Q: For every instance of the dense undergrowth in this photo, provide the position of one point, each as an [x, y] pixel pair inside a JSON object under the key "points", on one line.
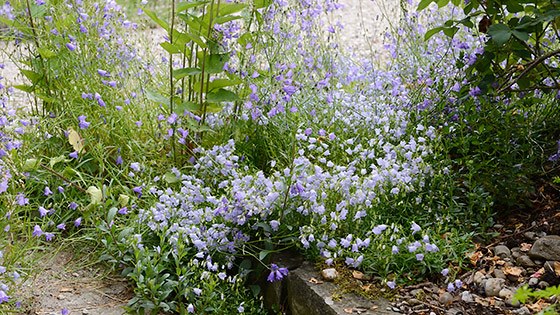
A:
{"points": [[249, 132]]}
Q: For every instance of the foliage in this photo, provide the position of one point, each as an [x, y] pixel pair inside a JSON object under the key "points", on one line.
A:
{"points": [[519, 53], [524, 294]]}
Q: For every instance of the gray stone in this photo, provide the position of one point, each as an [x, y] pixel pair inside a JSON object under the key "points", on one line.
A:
{"points": [[533, 282], [478, 277], [546, 248], [530, 235], [329, 274], [522, 311], [445, 298], [516, 252], [312, 298], [414, 301], [467, 297], [502, 251], [525, 261], [543, 285], [505, 293], [498, 273], [493, 286]]}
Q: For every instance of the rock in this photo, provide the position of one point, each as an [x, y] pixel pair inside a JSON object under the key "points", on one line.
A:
{"points": [[543, 285], [85, 311], [417, 293], [530, 235], [522, 311], [498, 226], [467, 297], [329, 274], [502, 251], [493, 286], [516, 252], [505, 293], [454, 311], [498, 273], [533, 282], [478, 277], [546, 248], [551, 272], [414, 301], [525, 261], [445, 298]]}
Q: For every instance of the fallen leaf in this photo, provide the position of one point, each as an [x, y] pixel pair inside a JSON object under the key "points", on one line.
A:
{"points": [[366, 288], [475, 257], [538, 274], [360, 275], [66, 289], [360, 310], [525, 247], [315, 281], [374, 307], [348, 310], [514, 271], [500, 262], [557, 268]]}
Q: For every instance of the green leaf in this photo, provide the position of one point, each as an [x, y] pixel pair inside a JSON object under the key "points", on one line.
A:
{"points": [[432, 32], [170, 48], [181, 73], [424, 4], [214, 63], [123, 200], [221, 95], [58, 159], [500, 33], [156, 97], [46, 53], [450, 31], [111, 214], [34, 77], [522, 294], [442, 3], [263, 254], [187, 106], [25, 88], [152, 15], [95, 195], [171, 178], [183, 6], [521, 35], [30, 165]]}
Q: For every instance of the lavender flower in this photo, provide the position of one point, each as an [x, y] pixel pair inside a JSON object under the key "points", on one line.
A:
{"points": [[277, 273]]}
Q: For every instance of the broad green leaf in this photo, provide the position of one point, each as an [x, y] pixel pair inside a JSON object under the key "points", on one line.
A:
{"points": [[156, 97], [225, 19], [258, 4], [152, 15], [221, 95], [432, 32], [25, 88], [30, 165], [263, 254], [46, 53], [95, 195], [111, 214], [230, 8], [500, 33], [450, 31], [183, 6], [424, 4], [214, 63], [181, 73], [442, 3], [213, 108], [58, 159], [170, 48], [171, 178], [521, 35], [187, 106], [33, 76]]}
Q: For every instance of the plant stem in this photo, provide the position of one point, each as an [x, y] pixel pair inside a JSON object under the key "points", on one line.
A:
{"points": [[171, 83]]}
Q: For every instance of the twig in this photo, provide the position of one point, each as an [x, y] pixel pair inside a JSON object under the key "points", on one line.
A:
{"points": [[55, 173], [528, 67]]}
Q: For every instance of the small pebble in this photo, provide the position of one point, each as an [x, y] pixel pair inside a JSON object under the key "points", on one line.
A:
{"points": [[502, 251], [445, 298], [478, 277], [498, 273], [493, 286], [533, 282], [522, 311], [525, 261], [467, 297], [329, 274], [543, 285]]}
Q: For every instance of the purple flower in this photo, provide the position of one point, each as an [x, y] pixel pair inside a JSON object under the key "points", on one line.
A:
{"points": [[415, 228], [49, 236], [61, 226], [138, 191], [277, 273], [48, 191], [64, 311], [73, 205], [73, 155], [419, 257], [123, 210], [103, 73], [78, 222], [71, 46], [43, 212], [37, 231], [39, 2], [450, 287], [119, 160], [21, 200], [135, 166], [190, 308], [82, 123], [379, 229], [3, 297], [444, 272], [60, 189], [391, 284]]}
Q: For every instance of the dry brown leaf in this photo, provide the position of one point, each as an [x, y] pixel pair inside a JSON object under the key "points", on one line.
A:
{"points": [[500, 262], [475, 257], [348, 310], [514, 271], [315, 281], [525, 247], [538, 274], [374, 307], [538, 306], [557, 268], [366, 288], [360, 275]]}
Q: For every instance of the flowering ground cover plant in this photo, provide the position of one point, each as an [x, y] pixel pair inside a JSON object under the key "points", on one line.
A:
{"points": [[250, 133]]}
